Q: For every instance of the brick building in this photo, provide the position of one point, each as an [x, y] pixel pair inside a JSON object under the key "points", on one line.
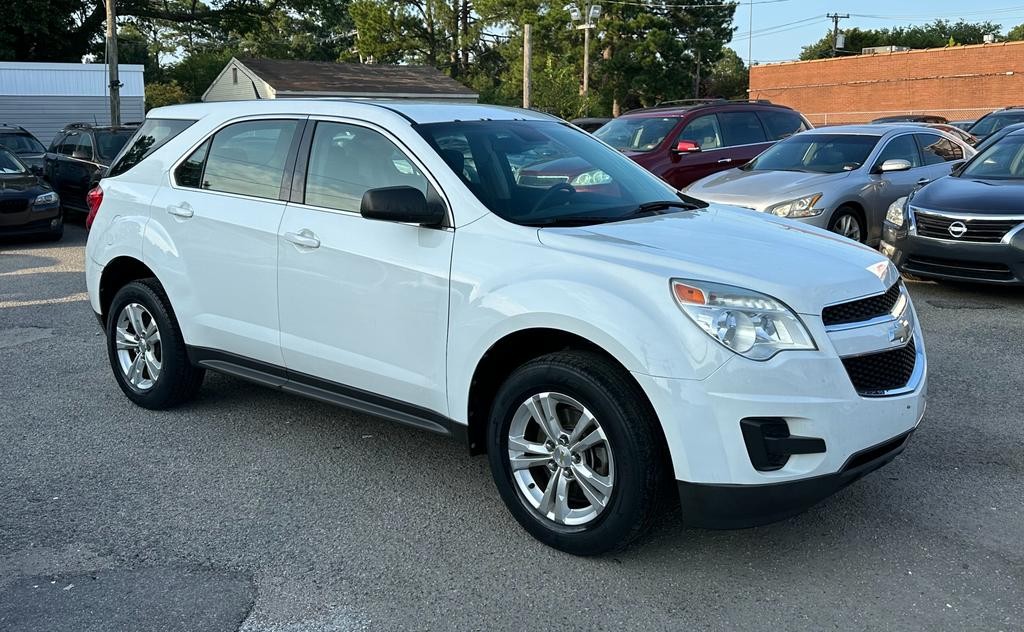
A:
{"points": [[962, 82]]}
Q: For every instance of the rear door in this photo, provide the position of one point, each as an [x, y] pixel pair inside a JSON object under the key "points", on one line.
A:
{"points": [[77, 170], [940, 155], [744, 136], [219, 219]]}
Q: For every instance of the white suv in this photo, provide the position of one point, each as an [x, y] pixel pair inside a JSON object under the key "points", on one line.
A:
{"points": [[501, 277]]}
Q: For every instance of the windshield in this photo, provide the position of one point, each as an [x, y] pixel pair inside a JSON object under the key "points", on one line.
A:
{"points": [[537, 172], [1002, 161], [637, 133], [10, 164], [816, 153], [995, 122], [21, 143], [109, 143]]}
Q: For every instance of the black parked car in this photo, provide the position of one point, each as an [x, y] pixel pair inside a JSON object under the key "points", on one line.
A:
{"points": [[78, 157], [20, 142], [28, 206], [911, 118], [994, 121], [968, 226]]}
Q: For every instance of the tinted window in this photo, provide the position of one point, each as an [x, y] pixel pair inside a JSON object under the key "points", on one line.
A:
{"points": [[741, 128], [901, 148], [704, 131], [1003, 160], [248, 158], [636, 133], [84, 147], [347, 160], [21, 143], [583, 179], [937, 149], [815, 152], [67, 146], [108, 144], [153, 134], [781, 124], [994, 122], [190, 172]]}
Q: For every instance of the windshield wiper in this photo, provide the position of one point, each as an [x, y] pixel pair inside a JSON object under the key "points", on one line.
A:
{"points": [[571, 220], [648, 208]]}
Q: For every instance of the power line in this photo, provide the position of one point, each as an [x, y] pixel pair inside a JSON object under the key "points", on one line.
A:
{"points": [[669, 5]]}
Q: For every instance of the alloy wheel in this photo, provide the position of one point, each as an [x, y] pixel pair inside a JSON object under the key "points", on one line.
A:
{"points": [[561, 459], [137, 342], [848, 226]]}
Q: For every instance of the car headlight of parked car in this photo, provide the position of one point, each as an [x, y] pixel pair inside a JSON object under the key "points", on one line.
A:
{"points": [[897, 213], [591, 178], [46, 199], [800, 207], [753, 325]]}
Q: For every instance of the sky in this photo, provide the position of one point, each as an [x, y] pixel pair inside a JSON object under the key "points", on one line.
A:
{"points": [[782, 27]]}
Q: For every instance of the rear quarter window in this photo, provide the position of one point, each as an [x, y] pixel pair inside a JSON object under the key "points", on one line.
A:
{"points": [[153, 134]]}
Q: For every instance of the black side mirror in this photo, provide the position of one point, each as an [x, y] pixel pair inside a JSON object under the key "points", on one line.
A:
{"points": [[400, 204], [958, 169]]}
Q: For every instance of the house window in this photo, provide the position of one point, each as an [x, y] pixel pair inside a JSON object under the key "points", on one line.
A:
{"points": [[234, 75]]}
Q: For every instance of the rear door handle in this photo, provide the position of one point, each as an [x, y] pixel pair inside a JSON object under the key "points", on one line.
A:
{"points": [[181, 210], [724, 161], [924, 180], [304, 238]]}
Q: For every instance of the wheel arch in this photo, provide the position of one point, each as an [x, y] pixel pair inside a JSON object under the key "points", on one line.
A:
{"points": [[513, 350], [118, 272]]}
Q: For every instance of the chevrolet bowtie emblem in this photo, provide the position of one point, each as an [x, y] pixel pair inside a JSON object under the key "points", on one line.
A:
{"points": [[900, 331]]}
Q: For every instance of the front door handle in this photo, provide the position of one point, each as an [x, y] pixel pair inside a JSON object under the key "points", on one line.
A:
{"points": [[181, 210], [304, 238], [725, 161], [924, 181]]}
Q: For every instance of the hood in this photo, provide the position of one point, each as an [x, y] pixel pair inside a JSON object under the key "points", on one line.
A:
{"points": [[969, 195], [748, 188], [803, 266], [18, 183]]}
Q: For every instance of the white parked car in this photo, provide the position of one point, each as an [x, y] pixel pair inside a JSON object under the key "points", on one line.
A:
{"points": [[603, 341]]}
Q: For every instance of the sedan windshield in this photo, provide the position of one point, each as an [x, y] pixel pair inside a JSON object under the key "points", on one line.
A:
{"points": [[21, 144], [1002, 161], [10, 164], [637, 133], [995, 122], [816, 153], [545, 172]]}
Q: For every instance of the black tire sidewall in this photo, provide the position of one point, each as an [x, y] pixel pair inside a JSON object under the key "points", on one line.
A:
{"points": [[619, 518], [158, 395]]}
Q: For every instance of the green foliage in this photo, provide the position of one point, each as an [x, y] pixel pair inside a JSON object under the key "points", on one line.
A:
{"points": [[159, 94], [1016, 34], [729, 77], [935, 34]]}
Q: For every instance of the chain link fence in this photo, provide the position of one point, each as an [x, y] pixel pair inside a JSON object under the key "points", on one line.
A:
{"points": [[822, 119]]}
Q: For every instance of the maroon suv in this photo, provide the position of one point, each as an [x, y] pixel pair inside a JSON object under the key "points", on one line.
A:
{"points": [[683, 141]]}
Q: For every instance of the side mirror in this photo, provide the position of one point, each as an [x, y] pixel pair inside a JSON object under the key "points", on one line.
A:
{"points": [[895, 164], [400, 204], [686, 147], [79, 154]]}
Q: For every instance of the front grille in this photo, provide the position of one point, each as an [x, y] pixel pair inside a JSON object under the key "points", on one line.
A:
{"points": [[951, 267], [862, 309], [875, 373], [13, 206], [989, 231]]}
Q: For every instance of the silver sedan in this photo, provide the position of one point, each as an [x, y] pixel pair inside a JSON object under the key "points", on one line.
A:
{"points": [[842, 178]]}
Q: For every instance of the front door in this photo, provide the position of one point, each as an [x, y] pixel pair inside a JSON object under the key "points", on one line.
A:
{"points": [[363, 303]]}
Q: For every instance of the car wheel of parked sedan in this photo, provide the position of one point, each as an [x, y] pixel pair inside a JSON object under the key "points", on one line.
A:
{"points": [[575, 453], [846, 221], [57, 233], [146, 349]]}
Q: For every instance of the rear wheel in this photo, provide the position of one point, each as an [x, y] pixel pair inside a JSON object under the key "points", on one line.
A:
{"points": [[575, 453], [847, 222], [146, 349]]}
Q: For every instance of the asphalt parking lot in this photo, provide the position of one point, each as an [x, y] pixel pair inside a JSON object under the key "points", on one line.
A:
{"points": [[254, 510]]}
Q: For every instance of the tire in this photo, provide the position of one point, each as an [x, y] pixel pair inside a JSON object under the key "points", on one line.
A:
{"points": [[57, 233], [165, 376], [845, 221], [631, 455]]}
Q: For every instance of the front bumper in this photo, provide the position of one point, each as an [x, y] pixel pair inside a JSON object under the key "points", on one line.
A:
{"points": [[998, 263], [31, 221]]}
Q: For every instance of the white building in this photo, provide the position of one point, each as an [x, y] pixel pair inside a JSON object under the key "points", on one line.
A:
{"points": [[44, 97]]}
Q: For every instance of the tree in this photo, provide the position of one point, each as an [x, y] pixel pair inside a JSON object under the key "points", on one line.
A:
{"points": [[1016, 34], [729, 77], [159, 94], [935, 34]]}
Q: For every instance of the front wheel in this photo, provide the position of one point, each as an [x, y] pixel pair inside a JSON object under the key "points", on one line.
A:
{"points": [[575, 453], [847, 223]]}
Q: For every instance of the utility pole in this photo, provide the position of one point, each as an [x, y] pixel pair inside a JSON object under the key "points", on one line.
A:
{"points": [[588, 17], [527, 66], [750, 38], [835, 17], [115, 83]]}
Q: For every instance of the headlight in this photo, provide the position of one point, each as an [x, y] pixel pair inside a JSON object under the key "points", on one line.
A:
{"points": [[591, 178], [45, 199], [897, 213], [801, 207], [753, 325]]}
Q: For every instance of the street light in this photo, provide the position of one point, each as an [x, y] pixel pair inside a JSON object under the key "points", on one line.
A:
{"points": [[588, 16]]}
